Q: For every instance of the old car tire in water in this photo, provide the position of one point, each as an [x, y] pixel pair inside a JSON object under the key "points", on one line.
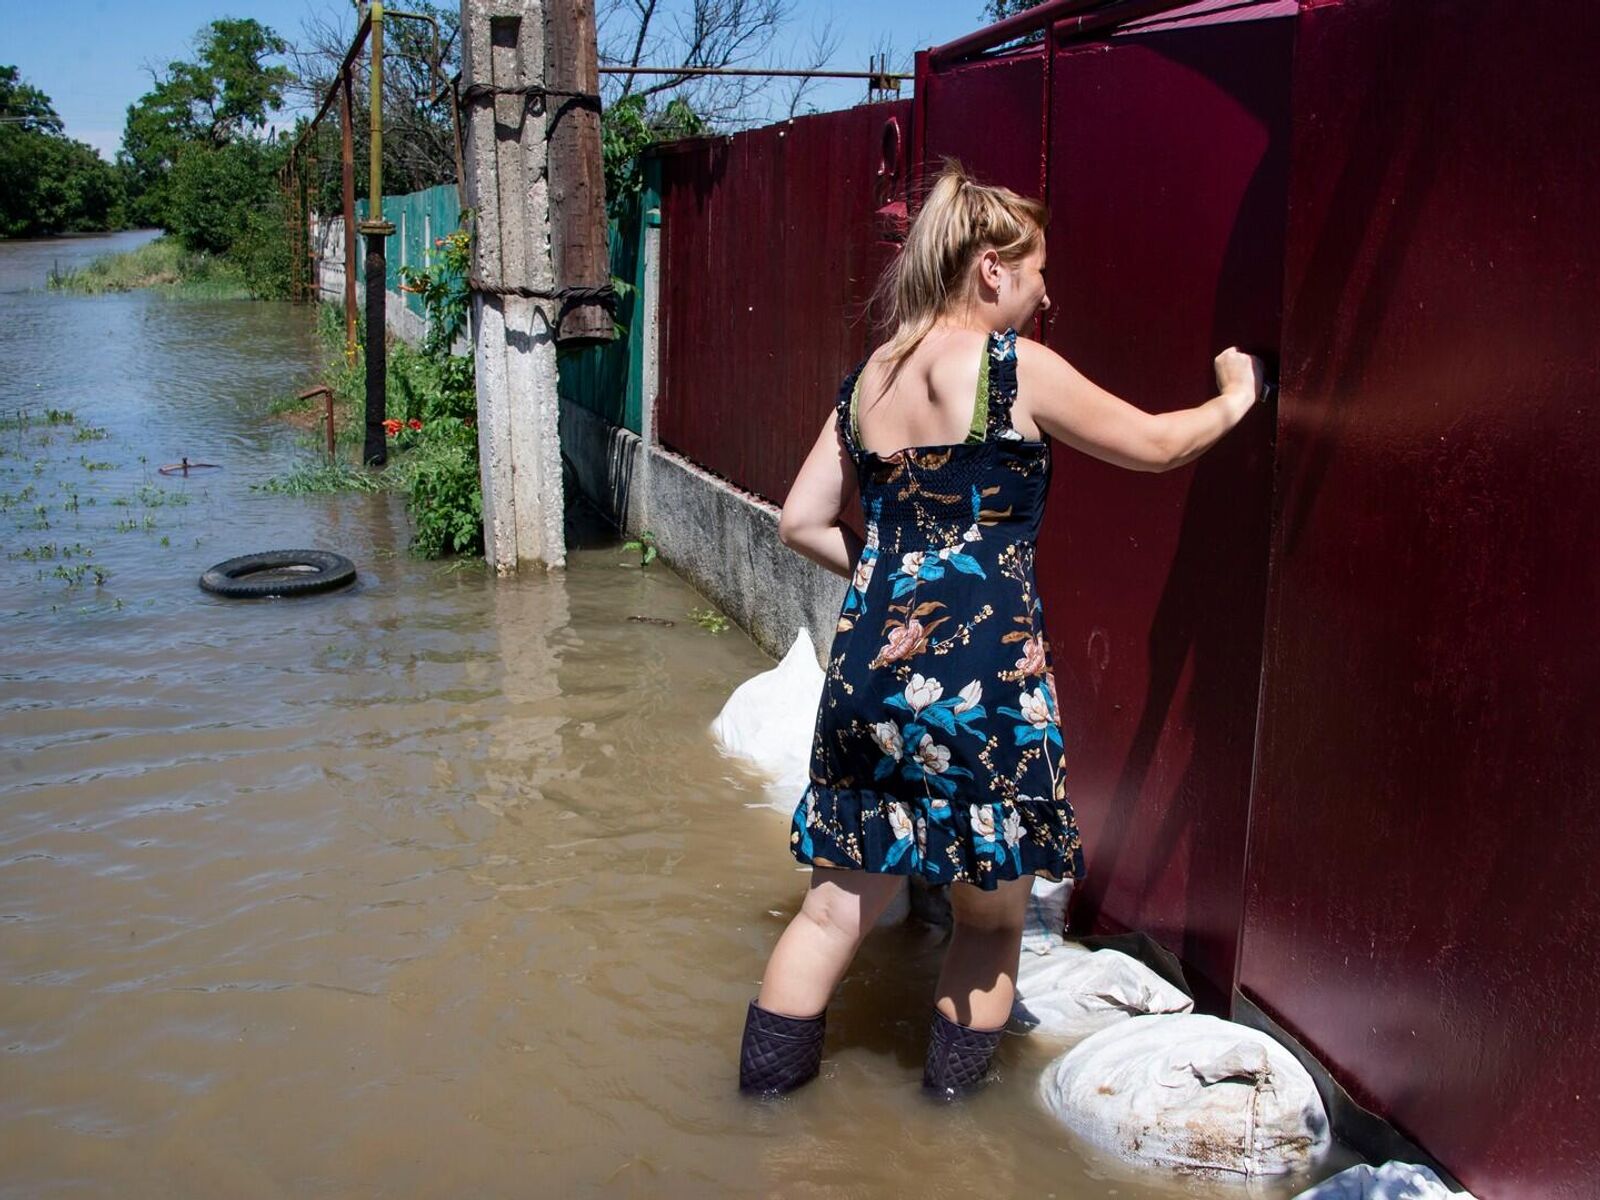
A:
{"points": [[279, 573]]}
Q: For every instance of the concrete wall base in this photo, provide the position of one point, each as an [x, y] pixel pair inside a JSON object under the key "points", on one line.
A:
{"points": [[722, 540]]}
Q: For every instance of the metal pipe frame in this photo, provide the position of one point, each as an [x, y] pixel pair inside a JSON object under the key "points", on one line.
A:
{"points": [[1065, 21], [772, 72]]}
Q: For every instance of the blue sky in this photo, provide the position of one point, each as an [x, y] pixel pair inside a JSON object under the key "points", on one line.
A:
{"points": [[90, 56]]}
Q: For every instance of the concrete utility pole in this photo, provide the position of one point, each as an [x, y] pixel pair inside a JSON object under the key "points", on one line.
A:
{"points": [[503, 66]]}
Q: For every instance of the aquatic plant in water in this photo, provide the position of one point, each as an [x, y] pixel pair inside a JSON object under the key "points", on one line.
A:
{"points": [[708, 619]]}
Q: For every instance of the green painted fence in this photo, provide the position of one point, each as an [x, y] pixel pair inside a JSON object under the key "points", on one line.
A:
{"points": [[606, 380], [609, 380], [420, 219]]}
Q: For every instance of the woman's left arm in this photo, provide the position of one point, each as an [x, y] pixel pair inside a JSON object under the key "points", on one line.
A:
{"points": [[809, 524]]}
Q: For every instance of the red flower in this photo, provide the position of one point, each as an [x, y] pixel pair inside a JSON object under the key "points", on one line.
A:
{"points": [[414, 424], [392, 426]]}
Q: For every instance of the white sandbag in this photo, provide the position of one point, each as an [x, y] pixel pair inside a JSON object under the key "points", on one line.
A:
{"points": [[1391, 1181], [1045, 926], [770, 719], [1191, 1093], [769, 722], [1073, 992]]}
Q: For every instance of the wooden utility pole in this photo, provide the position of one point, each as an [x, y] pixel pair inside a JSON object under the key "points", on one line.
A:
{"points": [[514, 282], [579, 245]]}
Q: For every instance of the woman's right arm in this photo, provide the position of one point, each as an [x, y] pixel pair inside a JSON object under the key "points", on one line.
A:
{"points": [[809, 523], [1071, 409]]}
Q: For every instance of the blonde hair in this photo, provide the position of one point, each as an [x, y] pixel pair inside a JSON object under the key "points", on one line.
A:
{"points": [[959, 219]]}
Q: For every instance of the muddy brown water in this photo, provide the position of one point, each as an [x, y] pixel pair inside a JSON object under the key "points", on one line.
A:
{"points": [[436, 886]]}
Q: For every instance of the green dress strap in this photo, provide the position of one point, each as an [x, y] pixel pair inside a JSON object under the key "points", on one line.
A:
{"points": [[855, 408], [980, 410]]}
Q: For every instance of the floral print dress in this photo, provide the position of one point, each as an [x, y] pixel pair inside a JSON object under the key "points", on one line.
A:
{"points": [[937, 748]]}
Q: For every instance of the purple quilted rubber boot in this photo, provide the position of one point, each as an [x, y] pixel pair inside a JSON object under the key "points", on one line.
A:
{"points": [[958, 1057], [778, 1053]]}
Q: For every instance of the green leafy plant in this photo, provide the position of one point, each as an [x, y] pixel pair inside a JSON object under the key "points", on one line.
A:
{"points": [[440, 397], [645, 544], [443, 288], [446, 496], [626, 128], [708, 619], [431, 417]]}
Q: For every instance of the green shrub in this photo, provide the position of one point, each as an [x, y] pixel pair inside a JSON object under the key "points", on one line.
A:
{"points": [[213, 191], [446, 496], [261, 251]]}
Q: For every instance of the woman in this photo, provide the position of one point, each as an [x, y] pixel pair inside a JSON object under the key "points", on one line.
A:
{"points": [[938, 748]]}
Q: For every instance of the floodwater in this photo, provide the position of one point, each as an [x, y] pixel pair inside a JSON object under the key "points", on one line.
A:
{"points": [[433, 887]]}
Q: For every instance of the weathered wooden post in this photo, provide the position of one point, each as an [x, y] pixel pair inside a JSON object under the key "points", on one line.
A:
{"points": [[513, 328], [579, 245]]}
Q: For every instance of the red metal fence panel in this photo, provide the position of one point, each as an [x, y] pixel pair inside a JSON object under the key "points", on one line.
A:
{"points": [[769, 252], [990, 115], [1169, 164], [1423, 896], [1408, 882]]}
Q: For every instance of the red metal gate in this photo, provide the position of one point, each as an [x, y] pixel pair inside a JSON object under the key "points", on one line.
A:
{"points": [[1366, 806]]}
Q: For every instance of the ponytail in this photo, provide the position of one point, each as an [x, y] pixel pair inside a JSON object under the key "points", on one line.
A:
{"points": [[959, 219]]}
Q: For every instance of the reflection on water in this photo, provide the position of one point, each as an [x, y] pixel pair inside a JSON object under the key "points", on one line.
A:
{"points": [[436, 886]]}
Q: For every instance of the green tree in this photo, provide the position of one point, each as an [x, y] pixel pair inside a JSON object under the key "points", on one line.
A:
{"points": [[48, 182], [225, 95], [213, 191], [25, 107], [627, 128], [999, 10]]}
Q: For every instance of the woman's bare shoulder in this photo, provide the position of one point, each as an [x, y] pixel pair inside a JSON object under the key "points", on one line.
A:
{"points": [[1036, 354], [1040, 367]]}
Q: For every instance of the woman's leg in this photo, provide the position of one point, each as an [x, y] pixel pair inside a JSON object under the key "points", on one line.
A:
{"points": [[839, 910], [979, 977]]}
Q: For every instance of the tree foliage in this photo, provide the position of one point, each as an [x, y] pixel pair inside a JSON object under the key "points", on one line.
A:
{"points": [[213, 192], [224, 96], [48, 182], [627, 127], [25, 106], [418, 132], [197, 159]]}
